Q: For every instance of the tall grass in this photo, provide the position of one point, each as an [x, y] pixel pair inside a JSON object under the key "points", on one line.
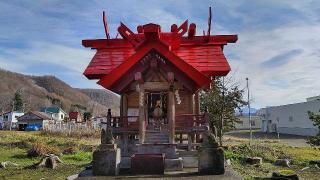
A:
{"points": [[79, 133]]}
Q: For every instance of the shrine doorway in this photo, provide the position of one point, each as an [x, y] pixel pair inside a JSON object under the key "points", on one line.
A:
{"points": [[157, 103]]}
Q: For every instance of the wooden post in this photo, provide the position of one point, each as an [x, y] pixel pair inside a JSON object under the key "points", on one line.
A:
{"points": [[121, 105], [171, 116], [196, 103], [141, 117], [190, 142], [124, 105], [197, 112]]}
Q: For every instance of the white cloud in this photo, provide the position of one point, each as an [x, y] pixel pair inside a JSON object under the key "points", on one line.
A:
{"points": [[50, 32], [74, 59], [289, 83]]}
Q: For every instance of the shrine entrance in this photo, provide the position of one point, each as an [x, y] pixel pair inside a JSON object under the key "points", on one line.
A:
{"points": [[157, 103]]}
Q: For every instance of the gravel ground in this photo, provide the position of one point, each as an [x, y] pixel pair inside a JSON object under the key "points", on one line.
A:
{"points": [[188, 173], [236, 137]]}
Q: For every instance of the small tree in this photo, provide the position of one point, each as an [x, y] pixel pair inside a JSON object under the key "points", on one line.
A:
{"points": [[315, 118], [87, 116], [221, 101], [17, 102]]}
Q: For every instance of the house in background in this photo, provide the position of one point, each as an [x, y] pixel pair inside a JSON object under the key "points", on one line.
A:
{"points": [[34, 120], [97, 121], [55, 112], [290, 118], [244, 123], [8, 120], [75, 117]]}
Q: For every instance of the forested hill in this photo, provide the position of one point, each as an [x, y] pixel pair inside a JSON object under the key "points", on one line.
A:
{"points": [[39, 91]]}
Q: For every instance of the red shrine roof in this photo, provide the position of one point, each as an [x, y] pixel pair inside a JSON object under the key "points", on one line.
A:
{"points": [[200, 57]]}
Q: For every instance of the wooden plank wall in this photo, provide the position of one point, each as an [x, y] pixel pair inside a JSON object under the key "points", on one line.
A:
{"points": [[186, 106]]}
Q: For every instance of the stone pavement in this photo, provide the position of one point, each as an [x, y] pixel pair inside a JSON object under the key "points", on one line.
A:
{"points": [[187, 174]]}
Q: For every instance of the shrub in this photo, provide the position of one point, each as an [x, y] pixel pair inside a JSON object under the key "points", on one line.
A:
{"points": [[40, 149], [315, 141], [267, 152], [233, 156]]}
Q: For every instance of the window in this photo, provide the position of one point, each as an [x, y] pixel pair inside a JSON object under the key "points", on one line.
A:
{"points": [[61, 116], [290, 118], [253, 123]]}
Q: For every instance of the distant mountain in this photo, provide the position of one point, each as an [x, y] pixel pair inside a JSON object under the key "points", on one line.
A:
{"points": [[39, 91], [104, 97]]}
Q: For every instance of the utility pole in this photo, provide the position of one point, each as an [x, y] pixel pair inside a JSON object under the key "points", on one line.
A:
{"points": [[222, 112], [247, 79]]}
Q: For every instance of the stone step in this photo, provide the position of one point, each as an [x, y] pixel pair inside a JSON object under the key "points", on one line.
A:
{"points": [[157, 134], [156, 142], [156, 137]]}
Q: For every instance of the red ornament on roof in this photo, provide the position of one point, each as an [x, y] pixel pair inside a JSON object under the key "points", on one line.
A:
{"points": [[197, 57]]}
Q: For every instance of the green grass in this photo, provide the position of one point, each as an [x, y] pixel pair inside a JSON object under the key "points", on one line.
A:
{"points": [[14, 146], [270, 152]]}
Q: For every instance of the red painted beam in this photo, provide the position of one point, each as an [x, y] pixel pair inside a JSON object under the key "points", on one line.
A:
{"points": [[196, 40]]}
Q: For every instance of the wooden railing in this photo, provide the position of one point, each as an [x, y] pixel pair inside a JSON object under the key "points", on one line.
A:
{"points": [[186, 123], [121, 124]]}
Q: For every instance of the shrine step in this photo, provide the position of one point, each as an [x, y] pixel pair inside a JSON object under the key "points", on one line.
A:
{"points": [[156, 137]]}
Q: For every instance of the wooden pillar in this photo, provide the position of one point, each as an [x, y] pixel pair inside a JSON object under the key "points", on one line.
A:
{"points": [[121, 105], [196, 103], [190, 141], [196, 111], [124, 99], [171, 116], [142, 119], [125, 139]]}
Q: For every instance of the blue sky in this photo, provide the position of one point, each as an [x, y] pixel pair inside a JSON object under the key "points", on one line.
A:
{"points": [[278, 47]]}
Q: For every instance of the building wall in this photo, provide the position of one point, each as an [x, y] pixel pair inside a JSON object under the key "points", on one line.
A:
{"points": [[133, 99], [57, 116], [9, 119], [185, 107], [256, 122], [290, 119]]}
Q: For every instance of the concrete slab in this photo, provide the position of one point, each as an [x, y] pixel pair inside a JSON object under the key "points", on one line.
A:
{"points": [[173, 164], [186, 174]]}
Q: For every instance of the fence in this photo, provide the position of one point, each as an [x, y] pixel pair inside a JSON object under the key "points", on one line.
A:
{"points": [[70, 127]]}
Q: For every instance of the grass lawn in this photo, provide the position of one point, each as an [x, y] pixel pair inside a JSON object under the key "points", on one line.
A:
{"points": [[15, 144], [271, 151]]}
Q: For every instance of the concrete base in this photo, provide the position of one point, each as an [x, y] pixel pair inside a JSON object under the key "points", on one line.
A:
{"points": [[211, 161], [173, 164], [190, 158], [168, 149], [190, 161], [106, 160], [125, 162], [147, 164]]}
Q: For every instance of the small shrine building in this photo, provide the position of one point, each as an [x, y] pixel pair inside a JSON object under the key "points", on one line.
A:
{"points": [[158, 76]]}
